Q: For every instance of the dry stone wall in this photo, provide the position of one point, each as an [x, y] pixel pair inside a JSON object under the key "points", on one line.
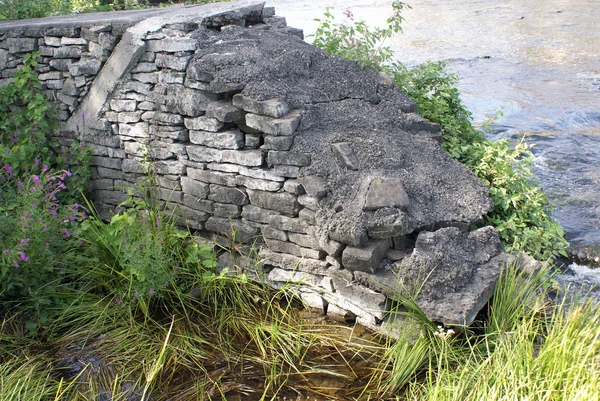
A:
{"points": [[261, 141]]}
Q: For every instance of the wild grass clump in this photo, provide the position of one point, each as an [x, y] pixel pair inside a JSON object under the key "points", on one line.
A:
{"points": [[521, 211]]}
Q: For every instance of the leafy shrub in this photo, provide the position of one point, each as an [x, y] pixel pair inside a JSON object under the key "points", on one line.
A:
{"points": [[37, 237], [521, 211], [142, 254], [38, 213], [25, 9]]}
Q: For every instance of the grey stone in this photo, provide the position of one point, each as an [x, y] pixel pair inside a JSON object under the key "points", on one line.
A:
{"points": [[285, 223], [290, 262], [123, 105], [232, 139], [345, 155], [129, 117], [262, 185], [167, 118], [223, 194], [177, 63], [169, 167], [175, 133], [314, 186], [260, 173], [133, 166], [60, 64], [286, 171], [293, 249], [224, 111], [69, 88], [306, 241], [280, 201], [73, 52], [224, 167], [196, 188], [386, 192], [284, 126], [232, 228], [227, 210], [194, 218], [52, 75], [212, 177], [272, 107], [309, 202], [146, 106], [45, 51], [204, 123], [293, 187], [21, 45], [342, 228], [144, 67], [288, 158], [172, 45], [367, 258], [171, 77], [257, 214], [280, 277], [198, 203], [189, 102], [65, 41], [145, 77], [135, 148], [252, 141], [66, 99], [308, 216], [269, 232], [278, 143], [51, 41], [244, 157], [55, 84], [107, 40]]}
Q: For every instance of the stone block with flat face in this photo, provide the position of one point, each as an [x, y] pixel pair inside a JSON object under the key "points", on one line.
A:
{"points": [[367, 258]]}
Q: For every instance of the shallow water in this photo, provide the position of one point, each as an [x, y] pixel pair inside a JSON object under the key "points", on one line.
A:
{"points": [[537, 61]]}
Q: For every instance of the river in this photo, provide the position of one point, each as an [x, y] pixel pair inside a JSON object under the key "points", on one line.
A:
{"points": [[537, 61]]}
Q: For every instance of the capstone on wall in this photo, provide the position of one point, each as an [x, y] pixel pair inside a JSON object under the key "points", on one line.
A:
{"points": [[322, 166]]}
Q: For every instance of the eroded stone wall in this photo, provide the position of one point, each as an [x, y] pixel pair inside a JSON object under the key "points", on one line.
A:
{"points": [[260, 139]]}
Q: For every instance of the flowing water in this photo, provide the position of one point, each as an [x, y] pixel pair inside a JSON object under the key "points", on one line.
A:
{"points": [[536, 60]]}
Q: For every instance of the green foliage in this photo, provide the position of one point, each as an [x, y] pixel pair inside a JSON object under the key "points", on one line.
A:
{"points": [[521, 211], [356, 40], [25, 9], [141, 253]]}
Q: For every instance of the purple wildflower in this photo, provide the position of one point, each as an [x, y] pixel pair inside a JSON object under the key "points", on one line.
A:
{"points": [[23, 257], [44, 168], [6, 252], [137, 294], [65, 232], [36, 180], [118, 300], [151, 291], [16, 265], [8, 169]]}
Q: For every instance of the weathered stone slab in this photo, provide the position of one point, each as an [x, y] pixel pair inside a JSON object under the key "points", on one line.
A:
{"points": [[204, 123], [232, 228], [314, 186], [262, 185], [278, 142], [224, 111], [21, 45], [187, 101], [172, 45], [204, 154], [232, 139], [293, 249], [386, 192], [198, 189], [284, 126], [278, 201], [367, 258], [227, 210], [270, 232], [257, 214], [345, 155], [223, 194], [251, 158], [290, 262], [288, 158], [212, 177], [272, 107], [285, 223]]}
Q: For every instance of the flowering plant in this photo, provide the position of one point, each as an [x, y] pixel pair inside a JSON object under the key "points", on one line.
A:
{"points": [[36, 235]]}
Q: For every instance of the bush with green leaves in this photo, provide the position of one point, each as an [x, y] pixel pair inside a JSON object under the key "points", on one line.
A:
{"points": [[522, 211], [142, 254]]}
